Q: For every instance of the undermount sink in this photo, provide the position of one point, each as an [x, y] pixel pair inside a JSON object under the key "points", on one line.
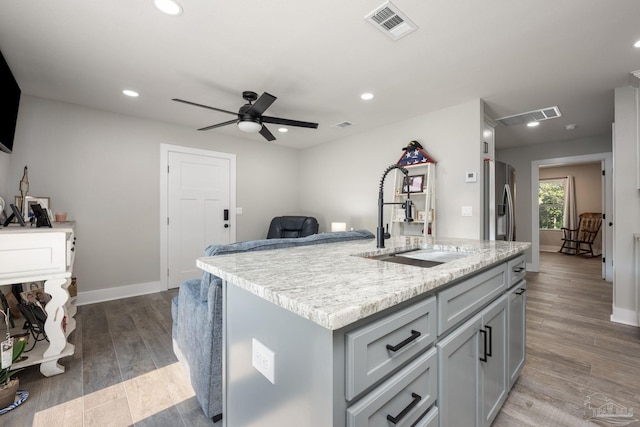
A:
{"points": [[425, 258]]}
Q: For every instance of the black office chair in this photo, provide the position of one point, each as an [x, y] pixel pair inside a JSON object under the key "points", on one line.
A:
{"points": [[292, 226]]}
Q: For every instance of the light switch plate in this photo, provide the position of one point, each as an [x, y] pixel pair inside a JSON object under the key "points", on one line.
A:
{"points": [[467, 211]]}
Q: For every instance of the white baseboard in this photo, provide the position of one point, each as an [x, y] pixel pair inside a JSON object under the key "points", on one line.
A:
{"points": [[624, 316], [101, 295]]}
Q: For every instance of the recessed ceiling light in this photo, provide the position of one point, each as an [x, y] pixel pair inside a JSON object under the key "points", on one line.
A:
{"points": [[533, 124], [131, 93], [637, 44], [570, 126], [283, 130], [169, 7], [367, 96]]}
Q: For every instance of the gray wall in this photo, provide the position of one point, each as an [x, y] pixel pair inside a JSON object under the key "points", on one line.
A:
{"points": [[103, 169], [626, 204], [341, 178]]}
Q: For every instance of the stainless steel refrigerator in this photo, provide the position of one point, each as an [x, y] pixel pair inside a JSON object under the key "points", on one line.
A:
{"points": [[499, 201]]}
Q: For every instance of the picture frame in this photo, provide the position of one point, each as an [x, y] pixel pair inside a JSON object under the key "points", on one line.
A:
{"points": [[27, 211], [416, 184], [33, 293], [421, 215]]}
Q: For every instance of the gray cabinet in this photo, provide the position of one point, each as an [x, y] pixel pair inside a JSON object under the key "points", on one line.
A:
{"points": [[472, 367], [459, 369], [493, 360], [402, 399], [381, 347], [517, 330]]}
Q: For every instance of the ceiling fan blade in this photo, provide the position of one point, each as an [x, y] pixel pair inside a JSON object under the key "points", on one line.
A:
{"points": [[230, 122], [267, 135], [288, 122], [203, 106], [261, 105]]}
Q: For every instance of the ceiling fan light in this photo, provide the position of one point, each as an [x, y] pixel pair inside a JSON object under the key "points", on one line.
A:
{"points": [[249, 126]]}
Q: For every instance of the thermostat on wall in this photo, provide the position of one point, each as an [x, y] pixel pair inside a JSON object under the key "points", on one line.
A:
{"points": [[470, 177]]}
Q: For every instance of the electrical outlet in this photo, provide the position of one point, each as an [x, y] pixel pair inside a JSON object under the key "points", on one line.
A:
{"points": [[263, 359], [467, 211]]}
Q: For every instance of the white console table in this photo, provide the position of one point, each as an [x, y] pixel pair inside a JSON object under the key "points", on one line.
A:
{"points": [[32, 254]]}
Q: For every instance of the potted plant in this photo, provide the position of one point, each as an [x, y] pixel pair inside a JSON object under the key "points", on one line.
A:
{"points": [[8, 385]]}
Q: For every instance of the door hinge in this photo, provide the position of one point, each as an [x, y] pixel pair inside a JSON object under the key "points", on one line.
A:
{"points": [[167, 168], [604, 216], [167, 220], [167, 272], [603, 174], [603, 259]]}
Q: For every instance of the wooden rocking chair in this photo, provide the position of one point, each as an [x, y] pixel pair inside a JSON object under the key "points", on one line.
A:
{"points": [[574, 241]]}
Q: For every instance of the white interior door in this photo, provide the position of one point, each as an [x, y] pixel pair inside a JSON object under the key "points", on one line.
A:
{"points": [[198, 194]]}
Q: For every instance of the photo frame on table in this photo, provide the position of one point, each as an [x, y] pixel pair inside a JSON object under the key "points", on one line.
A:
{"points": [[15, 216], [422, 215], [416, 184], [41, 215], [33, 293], [27, 210]]}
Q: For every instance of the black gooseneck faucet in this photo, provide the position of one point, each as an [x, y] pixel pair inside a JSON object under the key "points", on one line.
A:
{"points": [[381, 234]]}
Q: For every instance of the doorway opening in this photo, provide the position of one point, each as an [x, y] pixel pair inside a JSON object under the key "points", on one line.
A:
{"points": [[605, 161]]}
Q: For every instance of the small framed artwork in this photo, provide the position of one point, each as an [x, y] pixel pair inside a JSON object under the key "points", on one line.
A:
{"points": [[415, 184], [27, 211], [422, 215], [33, 293]]}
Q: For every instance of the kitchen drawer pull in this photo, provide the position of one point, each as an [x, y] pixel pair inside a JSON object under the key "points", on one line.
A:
{"points": [[518, 270], [414, 336], [405, 411], [484, 339], [521, 291]]}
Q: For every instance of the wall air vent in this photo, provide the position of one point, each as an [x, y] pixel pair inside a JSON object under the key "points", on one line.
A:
{"points": [[388, 19], [531, 116], [344, 124]]}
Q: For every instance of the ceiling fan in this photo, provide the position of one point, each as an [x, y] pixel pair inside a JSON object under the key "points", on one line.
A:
{"points": [[249, 117]]}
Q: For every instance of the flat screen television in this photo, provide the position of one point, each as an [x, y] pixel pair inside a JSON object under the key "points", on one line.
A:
{"points": [[9, 103]]}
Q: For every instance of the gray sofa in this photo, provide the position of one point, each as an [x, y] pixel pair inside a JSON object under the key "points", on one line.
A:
{"points": [[197, 317]]}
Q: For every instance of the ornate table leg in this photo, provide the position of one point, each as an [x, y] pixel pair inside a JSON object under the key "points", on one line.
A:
{"points": [[56, 313]]}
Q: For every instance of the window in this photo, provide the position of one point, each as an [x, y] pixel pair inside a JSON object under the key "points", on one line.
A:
{"points": [[551, 203]]}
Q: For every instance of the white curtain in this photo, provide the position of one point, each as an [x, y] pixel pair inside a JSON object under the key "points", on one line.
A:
{"points": [[570, 215]]}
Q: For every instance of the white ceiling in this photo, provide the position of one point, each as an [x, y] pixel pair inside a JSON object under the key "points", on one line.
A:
{"points": [[318, 56]]}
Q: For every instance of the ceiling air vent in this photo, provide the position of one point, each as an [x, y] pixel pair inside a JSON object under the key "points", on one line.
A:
{"points": [[344, 124], [531, 116], [388, 19]]}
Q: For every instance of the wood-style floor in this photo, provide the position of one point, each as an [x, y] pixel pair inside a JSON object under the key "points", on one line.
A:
{"points": [[573, 350], [124, 371]]}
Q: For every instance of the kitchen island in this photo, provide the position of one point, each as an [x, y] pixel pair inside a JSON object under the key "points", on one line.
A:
{"points": [[323, 335]]}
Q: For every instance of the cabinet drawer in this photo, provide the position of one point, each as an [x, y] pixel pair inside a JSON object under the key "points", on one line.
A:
{"points": [[24, 254], [377, 349], [406, 396], [429, 420], [517, 269], [464, 299]]}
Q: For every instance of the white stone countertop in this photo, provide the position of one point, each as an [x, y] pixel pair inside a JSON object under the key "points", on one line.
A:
{"points": [[335, 284]]}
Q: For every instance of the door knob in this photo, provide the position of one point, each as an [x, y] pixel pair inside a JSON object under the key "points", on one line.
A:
{"points": [[610, 224], [226, 226]]}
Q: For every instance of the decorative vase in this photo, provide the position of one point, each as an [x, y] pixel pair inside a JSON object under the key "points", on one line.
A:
{"points": [[8, 393]]}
